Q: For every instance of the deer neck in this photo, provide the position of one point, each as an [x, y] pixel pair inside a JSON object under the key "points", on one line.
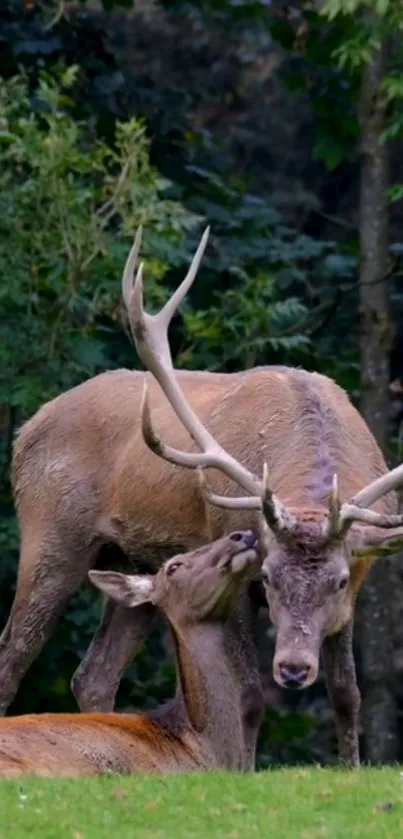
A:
{"points": [[209, 690]]}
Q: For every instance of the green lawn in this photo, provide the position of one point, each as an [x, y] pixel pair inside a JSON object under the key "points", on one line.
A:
{"points": [[304, 803]]}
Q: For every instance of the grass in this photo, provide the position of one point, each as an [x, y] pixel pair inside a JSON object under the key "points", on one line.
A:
{"points": [[301, 803]]}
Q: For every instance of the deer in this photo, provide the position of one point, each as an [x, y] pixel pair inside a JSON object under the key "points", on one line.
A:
{"points": [[201, 728], [87, 480]]}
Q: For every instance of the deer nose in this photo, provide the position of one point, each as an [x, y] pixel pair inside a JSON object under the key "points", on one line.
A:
{"points": [[294, 675], [245, 536]]}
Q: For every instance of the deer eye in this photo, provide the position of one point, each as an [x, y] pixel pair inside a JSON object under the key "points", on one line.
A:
{"points": [[267, 579], [343, 582], [170, 569]]}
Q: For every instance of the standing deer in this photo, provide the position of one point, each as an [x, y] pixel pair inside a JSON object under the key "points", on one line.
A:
{"points": [[201, 729], [84, 479], [317, 553]]}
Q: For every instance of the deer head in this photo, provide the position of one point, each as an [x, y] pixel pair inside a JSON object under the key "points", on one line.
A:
{"points": [[192, 587], [315, 559]]}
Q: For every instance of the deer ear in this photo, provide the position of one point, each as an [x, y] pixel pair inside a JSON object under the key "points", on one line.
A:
{"points": [[128, 589], [372, 542]]}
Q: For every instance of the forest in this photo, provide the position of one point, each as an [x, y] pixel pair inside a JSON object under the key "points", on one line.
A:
{"points": [[279, 124]]}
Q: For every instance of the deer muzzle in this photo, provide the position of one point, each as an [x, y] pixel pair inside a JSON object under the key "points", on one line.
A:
{"points": [[245, 551], [296, 659]]}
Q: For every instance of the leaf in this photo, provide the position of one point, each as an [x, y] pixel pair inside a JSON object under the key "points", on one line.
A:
{"points": [[395, 192], [329, 153]]}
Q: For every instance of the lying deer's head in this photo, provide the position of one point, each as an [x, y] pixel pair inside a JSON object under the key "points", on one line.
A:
{"points": [[312, 571], [191, 587]]}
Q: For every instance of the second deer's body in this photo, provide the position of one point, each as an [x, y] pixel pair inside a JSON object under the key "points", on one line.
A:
{"points": [[202, 727]]}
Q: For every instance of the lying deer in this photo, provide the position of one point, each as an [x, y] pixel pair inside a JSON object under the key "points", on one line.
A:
{"points": [[84, 478], [201, 729]]}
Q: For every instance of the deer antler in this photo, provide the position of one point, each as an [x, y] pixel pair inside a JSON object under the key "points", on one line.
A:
{"points": [[342, 516], [356, 509], [150, 334]]}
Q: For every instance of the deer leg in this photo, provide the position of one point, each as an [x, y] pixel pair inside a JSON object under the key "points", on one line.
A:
{"points": [[244, 638], [119, 637], [45, 584], [338, 660], [252, 714]]}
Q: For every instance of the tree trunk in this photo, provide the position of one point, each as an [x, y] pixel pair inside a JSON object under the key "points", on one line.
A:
{"points": [[379, 713]]}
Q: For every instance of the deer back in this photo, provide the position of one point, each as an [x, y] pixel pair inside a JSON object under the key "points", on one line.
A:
{"points": [[82, 458]]}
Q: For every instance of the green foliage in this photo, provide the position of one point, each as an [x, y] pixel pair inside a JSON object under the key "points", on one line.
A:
{"points": [[332, 8], [392, 85], [315, 67], [395, 192], [371, 23], [358, 50], [260, 295], [286, 735], [246, 324], [68, 204], [341, 37]]}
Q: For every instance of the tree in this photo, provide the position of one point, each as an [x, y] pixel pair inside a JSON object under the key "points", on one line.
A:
{"points": [[379, 713], [370, 26]]}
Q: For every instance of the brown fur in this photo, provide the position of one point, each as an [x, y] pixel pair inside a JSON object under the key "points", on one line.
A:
{"points": [[63, 454], [201, 728], [86, 744], [83, 477]]}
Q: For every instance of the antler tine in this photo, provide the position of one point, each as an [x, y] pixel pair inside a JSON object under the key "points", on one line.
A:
{"points": [[276, 514], [212, 456], [132, 292], [352, 513], [393, 480], [356, 509], [150, 337], [251, 502], [167, 312], [191, 460], [128, 271]]}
